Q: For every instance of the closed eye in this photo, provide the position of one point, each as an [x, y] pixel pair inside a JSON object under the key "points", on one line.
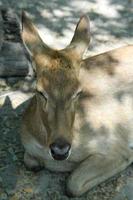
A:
{"points": [[77, 94], [43, 94]]}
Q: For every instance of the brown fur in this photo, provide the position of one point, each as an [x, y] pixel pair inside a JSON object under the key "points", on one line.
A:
{"points": [[97, 122]]}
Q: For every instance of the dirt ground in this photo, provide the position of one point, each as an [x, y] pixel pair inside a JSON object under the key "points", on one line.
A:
{"points": [[112, 26]]}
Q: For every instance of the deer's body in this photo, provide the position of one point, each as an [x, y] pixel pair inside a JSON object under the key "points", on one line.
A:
{"points": [[98, 124]]}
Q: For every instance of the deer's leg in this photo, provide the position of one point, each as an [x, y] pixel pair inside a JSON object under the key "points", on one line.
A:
{"points": [[94, 170], [31, 162]]}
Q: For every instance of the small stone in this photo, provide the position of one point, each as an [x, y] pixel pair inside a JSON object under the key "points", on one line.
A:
{"points": [[28, 190], [3, 82], [3, 196], [10, 191], [14, 197], [64, 198], [1, 180], [14, 157]]}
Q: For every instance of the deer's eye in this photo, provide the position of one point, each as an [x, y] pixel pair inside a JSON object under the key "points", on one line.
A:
{"points": [[77, 94], [43, 95]]}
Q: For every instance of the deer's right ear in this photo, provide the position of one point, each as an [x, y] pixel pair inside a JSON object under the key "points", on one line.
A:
{"points": [[81, 38], [30, 34]]}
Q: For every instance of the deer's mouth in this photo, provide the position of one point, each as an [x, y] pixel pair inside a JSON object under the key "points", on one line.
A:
{"points": [[61, 157], [60, 150]]}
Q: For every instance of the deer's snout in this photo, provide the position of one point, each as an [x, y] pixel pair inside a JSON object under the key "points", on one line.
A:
{"points": [[60, 149]]}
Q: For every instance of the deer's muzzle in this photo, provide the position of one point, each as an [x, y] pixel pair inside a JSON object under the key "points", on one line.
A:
{"points": [[60, 149]]}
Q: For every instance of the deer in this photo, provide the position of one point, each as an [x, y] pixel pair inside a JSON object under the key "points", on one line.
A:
{"points": [[80, 119]]}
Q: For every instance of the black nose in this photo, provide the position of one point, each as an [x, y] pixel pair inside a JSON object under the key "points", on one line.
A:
{"points": [[60, 149]]}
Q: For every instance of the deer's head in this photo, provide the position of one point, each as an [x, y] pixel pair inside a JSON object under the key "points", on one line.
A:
{"points": [[58, 88]]}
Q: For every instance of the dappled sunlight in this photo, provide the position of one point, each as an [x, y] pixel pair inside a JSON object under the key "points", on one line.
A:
{"points": [[107, 100], [110, 21], [16, 98], [104, 8]]}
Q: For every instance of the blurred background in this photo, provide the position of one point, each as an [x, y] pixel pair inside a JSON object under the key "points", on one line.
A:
{"points": [[111, 20]]}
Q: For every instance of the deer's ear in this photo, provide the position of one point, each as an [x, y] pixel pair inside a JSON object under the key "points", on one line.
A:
{"points": [[30, 35], [81, 38]]}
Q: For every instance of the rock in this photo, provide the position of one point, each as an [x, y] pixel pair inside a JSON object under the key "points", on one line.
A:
{"points": [[11, 25], [14, 58]]}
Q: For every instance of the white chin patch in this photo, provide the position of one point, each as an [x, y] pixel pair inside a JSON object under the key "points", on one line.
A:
{"points": [[51, 155], [69, 154], [65, 159]]}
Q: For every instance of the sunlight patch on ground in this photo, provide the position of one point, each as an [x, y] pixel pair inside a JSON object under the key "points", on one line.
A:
{"points": [[106, 9], [16, 98]]}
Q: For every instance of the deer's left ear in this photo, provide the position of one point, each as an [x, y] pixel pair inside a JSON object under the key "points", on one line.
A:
{"points": [[30, 35], [81, 38]]}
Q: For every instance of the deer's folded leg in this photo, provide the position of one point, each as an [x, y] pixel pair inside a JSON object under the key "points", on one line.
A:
{"points": [[31, 162], [94, 170]]}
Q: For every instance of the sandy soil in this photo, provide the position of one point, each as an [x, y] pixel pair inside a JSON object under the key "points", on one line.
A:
{"points": [[112, 26]]}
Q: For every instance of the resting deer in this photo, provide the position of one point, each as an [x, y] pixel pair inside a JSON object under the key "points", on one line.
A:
{"points": [[81, 116]]}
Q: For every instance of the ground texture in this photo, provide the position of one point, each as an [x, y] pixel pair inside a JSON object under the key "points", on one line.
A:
{"points": [[112, 26]]}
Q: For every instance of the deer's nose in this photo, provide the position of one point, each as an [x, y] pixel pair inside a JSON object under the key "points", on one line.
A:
{"points": [[60, 149]]}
